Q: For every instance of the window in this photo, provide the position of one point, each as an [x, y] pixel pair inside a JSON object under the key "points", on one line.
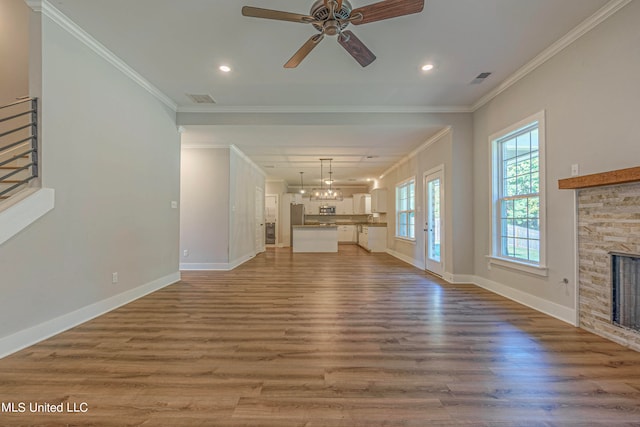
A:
{"points": [[405, 209], [518, 197]]}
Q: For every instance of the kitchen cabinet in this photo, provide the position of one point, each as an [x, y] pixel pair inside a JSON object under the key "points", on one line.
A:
{"points": [[362, 204], [347, 234], [345, 206], [379, 200], [373, 239], [363, 236]]}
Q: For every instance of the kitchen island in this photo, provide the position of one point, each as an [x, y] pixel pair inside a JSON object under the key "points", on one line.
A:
{"points": [[315, 238]]}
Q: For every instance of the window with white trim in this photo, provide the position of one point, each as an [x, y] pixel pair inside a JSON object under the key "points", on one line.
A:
{"points": [[518, 193], [406, 209]]}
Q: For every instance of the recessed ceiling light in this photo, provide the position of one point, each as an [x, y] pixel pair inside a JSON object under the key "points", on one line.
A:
{"points": [[225, 68], [427, 67]]}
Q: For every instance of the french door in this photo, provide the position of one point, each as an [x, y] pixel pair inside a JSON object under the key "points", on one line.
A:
{"points": [[434, 229]]}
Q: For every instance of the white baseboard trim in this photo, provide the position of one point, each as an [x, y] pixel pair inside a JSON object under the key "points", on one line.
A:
{"points": [[23, 210], [552, 309], [216, 266], [405, 258], [558, 311], [239, 261], [35, 334], [460, 279], [203, 266]]}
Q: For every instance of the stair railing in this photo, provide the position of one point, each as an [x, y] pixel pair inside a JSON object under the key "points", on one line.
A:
{"points": [[18, 146]]}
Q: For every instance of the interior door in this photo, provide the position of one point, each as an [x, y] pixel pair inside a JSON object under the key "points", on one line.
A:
{"points": [[434, 230]]}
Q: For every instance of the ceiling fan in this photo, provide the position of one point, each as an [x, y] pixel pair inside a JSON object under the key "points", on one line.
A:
{"points": [[331, 17]]}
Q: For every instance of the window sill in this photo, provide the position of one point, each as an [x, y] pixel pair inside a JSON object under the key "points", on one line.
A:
{"points": [[538, 270], [405, 239]]}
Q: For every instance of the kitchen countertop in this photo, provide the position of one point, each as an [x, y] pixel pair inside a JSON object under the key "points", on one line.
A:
{"points": [[370, 224], [316, 226]]}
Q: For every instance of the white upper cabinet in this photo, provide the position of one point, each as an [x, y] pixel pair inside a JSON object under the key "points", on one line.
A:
{"points": [[379, 200], [345, 207], [362, 204]]}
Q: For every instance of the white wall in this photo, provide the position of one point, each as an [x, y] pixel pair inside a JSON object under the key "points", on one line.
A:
{"points": [[218, 224], [111, 152], [454, 151], [204, 195], [591, 96], [14, 50]]}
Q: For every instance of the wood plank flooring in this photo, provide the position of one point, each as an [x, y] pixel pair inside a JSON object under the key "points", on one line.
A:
{"points": [[347, 339]]}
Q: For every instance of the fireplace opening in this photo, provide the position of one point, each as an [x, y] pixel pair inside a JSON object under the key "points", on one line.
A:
{"points": [[625, 275]]}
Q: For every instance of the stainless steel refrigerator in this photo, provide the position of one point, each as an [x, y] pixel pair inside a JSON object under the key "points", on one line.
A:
{"points": [[297, 217]]}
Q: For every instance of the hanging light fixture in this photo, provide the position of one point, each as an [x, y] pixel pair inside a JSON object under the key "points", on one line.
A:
{"points": [[301, 184], [329, 194]]}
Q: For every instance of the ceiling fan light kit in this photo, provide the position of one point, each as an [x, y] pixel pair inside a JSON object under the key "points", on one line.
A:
{"points": [[332, 17]]}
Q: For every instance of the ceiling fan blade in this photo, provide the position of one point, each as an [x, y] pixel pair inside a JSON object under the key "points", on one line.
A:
{"points": [[302, 53], [356, 48], [256, 12], [387, 9]]}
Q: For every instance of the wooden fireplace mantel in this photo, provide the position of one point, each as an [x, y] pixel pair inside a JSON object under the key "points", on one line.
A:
{"points": [[621, 176]]}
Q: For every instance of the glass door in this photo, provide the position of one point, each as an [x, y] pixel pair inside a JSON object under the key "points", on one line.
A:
{"points": [[434, 241]]}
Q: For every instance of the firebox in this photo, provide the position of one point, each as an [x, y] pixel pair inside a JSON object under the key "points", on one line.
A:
{"points": [[625, 279]]}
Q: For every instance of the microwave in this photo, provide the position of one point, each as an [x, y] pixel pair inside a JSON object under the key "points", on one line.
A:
{"points": [[327, 210]]}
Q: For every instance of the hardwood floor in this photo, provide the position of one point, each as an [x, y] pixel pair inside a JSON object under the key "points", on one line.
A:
{"points": [[347, 339]]}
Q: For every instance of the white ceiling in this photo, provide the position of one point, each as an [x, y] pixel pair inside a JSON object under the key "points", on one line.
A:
{"points": [[178, 45]]}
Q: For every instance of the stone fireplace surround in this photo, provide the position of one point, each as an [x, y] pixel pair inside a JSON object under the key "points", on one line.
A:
{"points": [[608, 221]]}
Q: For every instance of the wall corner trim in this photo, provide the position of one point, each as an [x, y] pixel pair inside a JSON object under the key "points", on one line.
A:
{"points": [[247, 159], [48, 10], [30, 336]]}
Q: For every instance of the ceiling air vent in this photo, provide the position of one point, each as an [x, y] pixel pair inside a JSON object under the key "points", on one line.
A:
{"points": [[480, 78], [201, 99]]}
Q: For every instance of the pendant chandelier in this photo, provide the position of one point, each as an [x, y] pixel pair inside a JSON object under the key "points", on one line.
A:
{"points": [[323, 193], [301, 184]]}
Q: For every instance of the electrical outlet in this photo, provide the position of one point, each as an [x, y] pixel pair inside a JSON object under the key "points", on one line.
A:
{"points": [[185, 253], [114, 277]]}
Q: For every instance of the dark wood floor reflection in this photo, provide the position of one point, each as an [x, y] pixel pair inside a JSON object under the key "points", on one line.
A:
{"points": [[347, 339]]}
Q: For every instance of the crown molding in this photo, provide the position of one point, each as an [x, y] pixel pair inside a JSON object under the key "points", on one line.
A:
{"points": [[318, 109], [417, 151], [48, 10], [44, 7], [583, 28], [203, 145]]}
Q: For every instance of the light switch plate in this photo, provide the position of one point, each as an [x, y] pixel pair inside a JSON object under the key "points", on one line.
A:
{"points": [[575, 170]]}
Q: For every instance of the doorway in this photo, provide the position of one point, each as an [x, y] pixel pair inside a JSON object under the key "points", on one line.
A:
{"points": [[434, 220], [259, 215], [271, 218]]}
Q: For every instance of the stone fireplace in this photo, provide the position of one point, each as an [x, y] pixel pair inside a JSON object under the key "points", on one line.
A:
{"points": [[608, 241]]}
